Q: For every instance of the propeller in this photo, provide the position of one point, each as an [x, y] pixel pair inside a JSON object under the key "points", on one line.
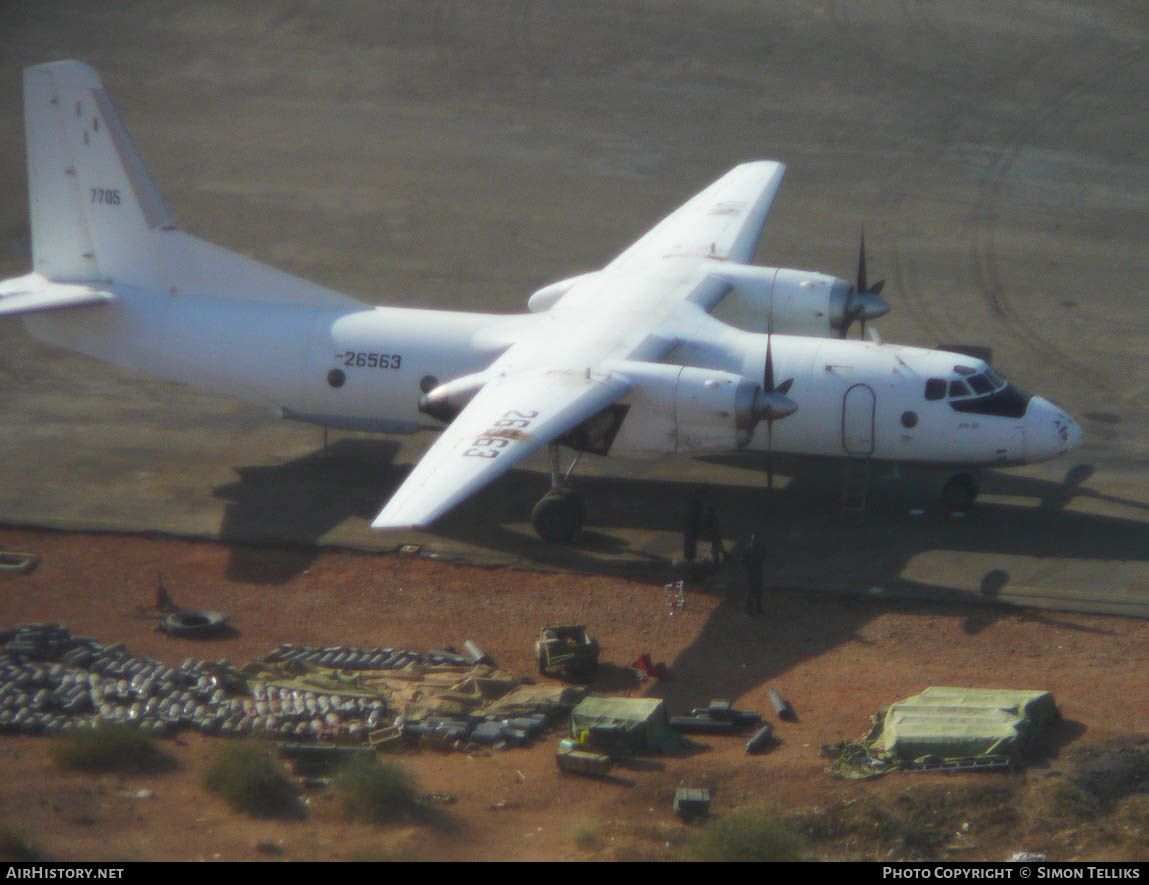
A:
{"points": [[773, 403], [864, 302]]}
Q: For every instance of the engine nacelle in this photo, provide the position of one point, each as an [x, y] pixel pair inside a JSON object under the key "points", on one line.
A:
{"points": [[447, 400], [796, 302], [685, 410], [548, 296]]}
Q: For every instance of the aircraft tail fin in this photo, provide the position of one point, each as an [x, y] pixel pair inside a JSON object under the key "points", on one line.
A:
{"points": [[97, 216], [93, 207]]}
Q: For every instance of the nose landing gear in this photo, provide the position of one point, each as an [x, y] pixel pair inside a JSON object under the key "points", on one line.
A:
{"points": [[960, 491]]}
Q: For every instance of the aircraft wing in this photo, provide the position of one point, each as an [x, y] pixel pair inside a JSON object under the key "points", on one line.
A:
{"points": [[511, 417], [540, 388], [723, 222]]}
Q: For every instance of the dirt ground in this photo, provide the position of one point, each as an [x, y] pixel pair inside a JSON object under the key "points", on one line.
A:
{"points": [[836, 659]]}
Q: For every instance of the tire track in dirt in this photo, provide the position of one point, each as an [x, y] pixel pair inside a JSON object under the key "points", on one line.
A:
{"points": [[1044, 67], [946, 75], [991, 188]]}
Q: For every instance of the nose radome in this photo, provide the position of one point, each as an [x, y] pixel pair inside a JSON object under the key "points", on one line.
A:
{"points": [[1076, 435], [1049, 432]]}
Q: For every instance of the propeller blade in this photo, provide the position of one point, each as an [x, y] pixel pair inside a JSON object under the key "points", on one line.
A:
{"points": [[773, 402], [770, 456], [862, 302], [768, 387], [768, 374]]}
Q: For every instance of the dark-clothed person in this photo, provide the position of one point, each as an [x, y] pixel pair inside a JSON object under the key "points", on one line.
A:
{"points": [[754, 558]]}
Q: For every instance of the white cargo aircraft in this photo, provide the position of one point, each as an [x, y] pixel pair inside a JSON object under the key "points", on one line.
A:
{"points": [[631, 361]]}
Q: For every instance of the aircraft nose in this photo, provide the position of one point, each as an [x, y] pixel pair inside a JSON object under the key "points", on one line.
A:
{"points": [[1049, 432]]}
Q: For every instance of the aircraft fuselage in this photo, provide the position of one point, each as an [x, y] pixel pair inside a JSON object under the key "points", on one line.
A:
{"points": [[366, 370]]}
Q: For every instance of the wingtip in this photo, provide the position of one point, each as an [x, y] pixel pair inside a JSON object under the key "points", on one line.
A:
{"points": [[381, 523], [388, 520]]}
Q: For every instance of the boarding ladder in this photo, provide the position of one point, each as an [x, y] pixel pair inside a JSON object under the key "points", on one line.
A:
{"points": [[856, 486]]}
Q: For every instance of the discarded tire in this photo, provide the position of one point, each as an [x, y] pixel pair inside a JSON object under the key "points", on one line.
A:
{"points": [[193, 622], [17, 562]]}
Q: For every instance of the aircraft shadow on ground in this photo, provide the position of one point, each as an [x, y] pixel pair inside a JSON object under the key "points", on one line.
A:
{"points": [[804, 527], [301, 501], [298, 502], [808, 543], [735, 653]]}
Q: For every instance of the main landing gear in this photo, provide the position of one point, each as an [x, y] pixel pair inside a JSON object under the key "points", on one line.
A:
{"points": [[961, 491], [559, 514]]}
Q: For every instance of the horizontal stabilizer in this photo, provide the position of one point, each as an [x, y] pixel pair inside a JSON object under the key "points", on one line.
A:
{"points": [[33, 294]]}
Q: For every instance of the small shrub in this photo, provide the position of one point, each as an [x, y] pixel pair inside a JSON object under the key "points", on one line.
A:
{"points": [[15, 847], [249, 779], [747, 834], [1073, 803], [109, 746], [1135, 810], [395, 854], [586, 836], [375, 791]]}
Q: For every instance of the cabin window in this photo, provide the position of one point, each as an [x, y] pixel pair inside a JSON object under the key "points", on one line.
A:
{"points": [[909, 419], [336, 378], [936, 389]]}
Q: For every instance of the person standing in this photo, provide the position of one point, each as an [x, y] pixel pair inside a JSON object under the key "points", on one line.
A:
{"points": [[712, 531], [691, 526], [754, 558]]}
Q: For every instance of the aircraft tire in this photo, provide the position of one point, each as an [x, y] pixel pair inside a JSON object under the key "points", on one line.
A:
{"points": [[960, 492], [558, 517]]}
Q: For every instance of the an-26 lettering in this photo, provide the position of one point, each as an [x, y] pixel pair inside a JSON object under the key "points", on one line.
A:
{"points": [[371, 360], [501, 434], [104, 196]]}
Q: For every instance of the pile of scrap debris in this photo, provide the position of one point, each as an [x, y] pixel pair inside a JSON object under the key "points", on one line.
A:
{"points": [[51, 682], [947, 729]]}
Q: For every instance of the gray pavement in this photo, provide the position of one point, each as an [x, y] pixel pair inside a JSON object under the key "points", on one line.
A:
{"points": [[462, 154]]}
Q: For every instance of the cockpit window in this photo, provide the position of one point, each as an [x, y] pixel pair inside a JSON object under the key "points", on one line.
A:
{"points": [[936, 388], [1005, 402], [982, 393], [980, 384]]}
